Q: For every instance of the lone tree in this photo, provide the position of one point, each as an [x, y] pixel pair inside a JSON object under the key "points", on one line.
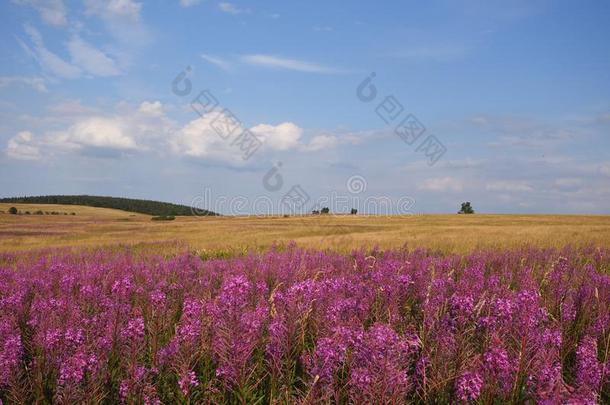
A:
{"points": [[354, 211], [12, 210], [325, 210], [466, 208]]}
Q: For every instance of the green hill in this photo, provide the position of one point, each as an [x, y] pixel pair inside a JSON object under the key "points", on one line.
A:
{"points": [[149, 207]]}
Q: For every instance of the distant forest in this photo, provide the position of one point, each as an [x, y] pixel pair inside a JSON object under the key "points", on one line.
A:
{"points": [[156, 208]]}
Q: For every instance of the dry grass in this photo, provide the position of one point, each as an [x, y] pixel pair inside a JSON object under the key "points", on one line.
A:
{"points": [[92, 227]]}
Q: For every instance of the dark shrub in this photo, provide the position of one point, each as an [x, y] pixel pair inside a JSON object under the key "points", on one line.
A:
{"points": [[164, 218]]}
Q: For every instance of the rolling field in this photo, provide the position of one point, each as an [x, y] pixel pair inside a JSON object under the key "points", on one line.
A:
{"points": [[95, 227], [164, 312]]}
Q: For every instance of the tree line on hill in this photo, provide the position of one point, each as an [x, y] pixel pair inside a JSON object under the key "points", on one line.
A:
{"points": [[148, 207]]}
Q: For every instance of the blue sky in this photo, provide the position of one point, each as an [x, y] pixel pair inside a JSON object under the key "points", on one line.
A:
{"points": [[514, 96]]}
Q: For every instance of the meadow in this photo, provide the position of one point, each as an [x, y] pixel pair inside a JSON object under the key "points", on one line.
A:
{"points": [[95, 227], [108, 307]]}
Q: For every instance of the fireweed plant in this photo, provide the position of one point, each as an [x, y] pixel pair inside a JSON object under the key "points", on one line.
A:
{"points": [[297, 326]]}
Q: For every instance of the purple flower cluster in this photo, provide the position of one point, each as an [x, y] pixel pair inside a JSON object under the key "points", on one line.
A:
{"points": [[292, 325]]}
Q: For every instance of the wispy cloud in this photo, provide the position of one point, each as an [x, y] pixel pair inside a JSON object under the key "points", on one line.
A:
{"points": [[442, 184], [525, 132], [114, 9], [231, 8], [37, 83], [189, 3], [90, 59], [508, 186], [85, 59], [217, 61], [436, 52], [47, 60], [277, 62], [52, 12]]}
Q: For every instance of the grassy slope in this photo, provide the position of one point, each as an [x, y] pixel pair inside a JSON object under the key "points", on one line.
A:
{"points": [[148, 207], [455, 233]]}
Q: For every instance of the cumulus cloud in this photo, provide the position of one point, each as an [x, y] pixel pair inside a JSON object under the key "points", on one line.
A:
{"points": [[100, 132], [23, 146], [321, 142], [280, 137], [133, 129], [442, 184], [146, 127], [200, 138], [154, 108], [52, 12]]}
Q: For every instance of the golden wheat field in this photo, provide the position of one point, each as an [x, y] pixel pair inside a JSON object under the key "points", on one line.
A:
{"points": [[96, 227]]}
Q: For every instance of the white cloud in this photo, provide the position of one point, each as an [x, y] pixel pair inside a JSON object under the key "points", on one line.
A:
{"points": [[122, 20], [605, 169], [23, 147], [71, 108], [189, 3], [568, 184], [112, 9], [442, 184], [90, 59], [199, 139], [131, 129], [51, 11], [215, 60], [230, 8], [277, 62], [508, 186], [85, 58], [154, 108], [145, 127], [37, 83], [280, 137], [320, 142], [100, 132], [48, 60]]}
